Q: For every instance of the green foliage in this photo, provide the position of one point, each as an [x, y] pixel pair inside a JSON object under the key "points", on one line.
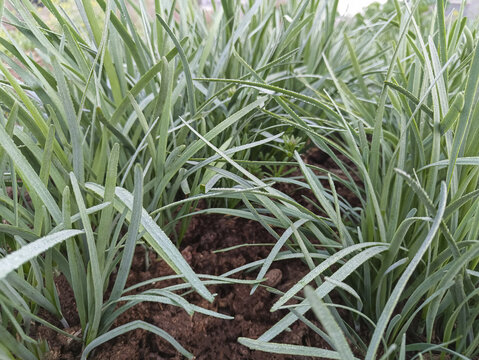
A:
{"points": [[399, 100], [116, 124]]}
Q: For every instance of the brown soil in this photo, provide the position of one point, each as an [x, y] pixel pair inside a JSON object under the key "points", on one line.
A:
{"points": [[320, 159], [206, 337]]}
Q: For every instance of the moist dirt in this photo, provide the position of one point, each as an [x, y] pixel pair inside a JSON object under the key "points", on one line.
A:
{"points": [[204, 336]]}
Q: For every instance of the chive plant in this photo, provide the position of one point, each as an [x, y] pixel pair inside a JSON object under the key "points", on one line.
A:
{"points": [[396, 93], [94, 159]]}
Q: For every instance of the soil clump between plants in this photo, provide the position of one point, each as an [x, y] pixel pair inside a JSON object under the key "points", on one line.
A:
{"points": [[204, 336]]}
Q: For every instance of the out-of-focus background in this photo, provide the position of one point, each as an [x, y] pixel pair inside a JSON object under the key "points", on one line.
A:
{"points": [[352, 7], [471, 8], [345, 7]]}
